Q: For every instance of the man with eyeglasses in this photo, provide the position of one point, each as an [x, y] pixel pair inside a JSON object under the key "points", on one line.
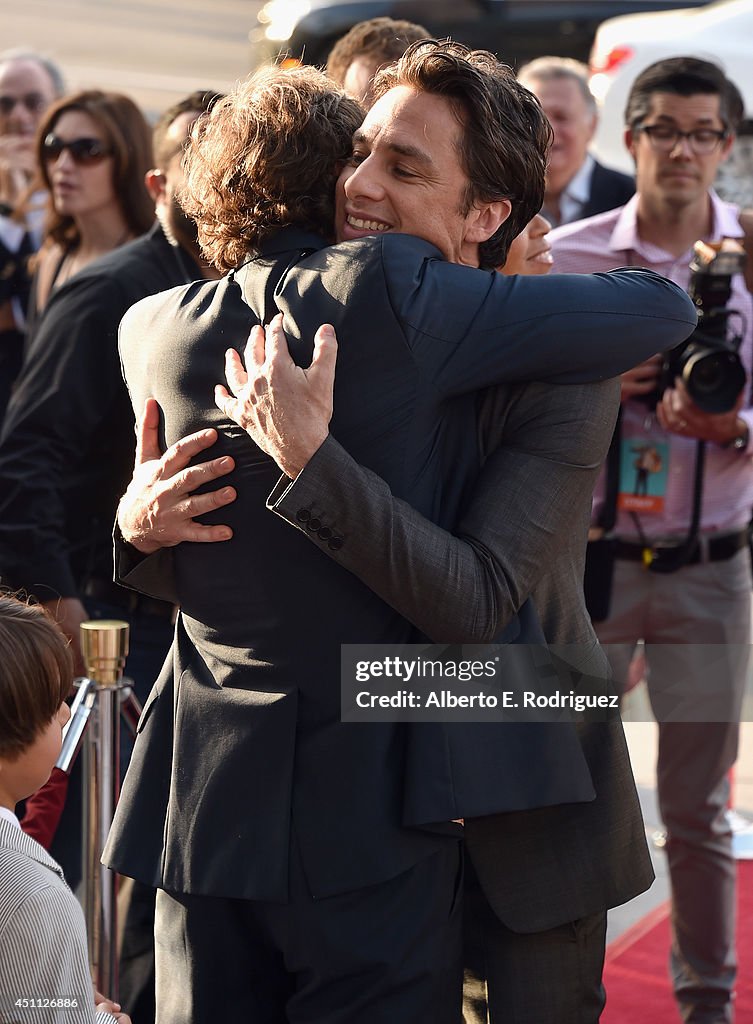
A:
{"points": [[28, 85], [681, 574]]}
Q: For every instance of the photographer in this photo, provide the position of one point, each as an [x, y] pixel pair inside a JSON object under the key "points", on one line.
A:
{"points": [[674, 567]]}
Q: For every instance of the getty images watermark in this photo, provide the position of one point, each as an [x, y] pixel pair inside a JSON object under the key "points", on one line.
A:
{"points": [[522, 682]]}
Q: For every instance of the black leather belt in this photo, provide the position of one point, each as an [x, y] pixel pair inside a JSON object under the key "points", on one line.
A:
{"points": [[128, 600], [718, 549]]}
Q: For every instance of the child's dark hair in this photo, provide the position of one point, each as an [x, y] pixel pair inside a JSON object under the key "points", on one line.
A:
{"points": [[36, 671]]}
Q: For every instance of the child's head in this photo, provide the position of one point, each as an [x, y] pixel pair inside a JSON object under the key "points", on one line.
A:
{"points": [[35, 678]]}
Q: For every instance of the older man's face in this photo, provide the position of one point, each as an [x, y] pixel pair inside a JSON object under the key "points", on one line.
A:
{"points": [[26, 91], [405, 176], [573, 122]]}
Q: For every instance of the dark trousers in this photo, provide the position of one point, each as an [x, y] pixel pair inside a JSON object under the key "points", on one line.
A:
{"points": [[551, 977], [386, 954]]}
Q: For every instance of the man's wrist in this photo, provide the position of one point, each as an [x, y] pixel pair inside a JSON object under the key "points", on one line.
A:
{"points": [[135, 540], [740, 436], [293, 463]]}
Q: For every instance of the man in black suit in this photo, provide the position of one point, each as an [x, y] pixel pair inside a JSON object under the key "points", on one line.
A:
{"points": [[577, 185], [66, 452], [319, 843]]}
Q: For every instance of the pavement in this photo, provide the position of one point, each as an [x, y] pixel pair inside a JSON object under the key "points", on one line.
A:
{"points": [[641, 733]]}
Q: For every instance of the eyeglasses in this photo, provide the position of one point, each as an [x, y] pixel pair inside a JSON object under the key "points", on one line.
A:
{"points": [[86, 152], [664, 138], [34, 102]]}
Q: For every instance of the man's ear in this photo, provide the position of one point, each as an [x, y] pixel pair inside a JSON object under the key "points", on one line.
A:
{"points": [[487, 218], [593, 127], [727, 147], [630, 141], [156, 183]]}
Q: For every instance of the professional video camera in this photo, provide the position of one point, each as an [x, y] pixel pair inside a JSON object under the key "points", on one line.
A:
{"points": [[707, 361]]}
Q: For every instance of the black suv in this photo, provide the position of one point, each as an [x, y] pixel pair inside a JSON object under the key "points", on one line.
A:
{"points": [[517, 30]]}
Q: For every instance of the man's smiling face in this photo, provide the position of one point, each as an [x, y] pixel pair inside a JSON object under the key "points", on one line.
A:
{"points": [[405, 175]]}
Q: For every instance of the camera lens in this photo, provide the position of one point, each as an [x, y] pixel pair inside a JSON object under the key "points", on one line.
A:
{"points": [[714, 380]]}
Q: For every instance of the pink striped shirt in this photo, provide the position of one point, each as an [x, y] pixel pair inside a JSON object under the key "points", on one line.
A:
{"points": [[611, 240]]}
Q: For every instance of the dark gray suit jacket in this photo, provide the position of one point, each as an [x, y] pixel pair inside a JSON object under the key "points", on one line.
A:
{"points": [[523, 532], [242, 736]]}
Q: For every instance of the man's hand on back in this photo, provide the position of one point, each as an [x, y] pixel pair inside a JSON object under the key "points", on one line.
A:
{"points": [[158, 508], [285, 409]]}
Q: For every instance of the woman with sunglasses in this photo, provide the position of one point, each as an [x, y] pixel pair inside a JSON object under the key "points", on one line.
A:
{"points": [[94, 149]]}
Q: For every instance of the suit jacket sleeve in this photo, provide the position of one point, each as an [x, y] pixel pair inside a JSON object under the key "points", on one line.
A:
{"points": [[153, 574], [469, 330], [464, 588]]}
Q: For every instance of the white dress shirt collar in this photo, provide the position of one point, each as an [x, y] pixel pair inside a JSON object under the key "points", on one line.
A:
{"points": [[578, 189], [9, 816]]}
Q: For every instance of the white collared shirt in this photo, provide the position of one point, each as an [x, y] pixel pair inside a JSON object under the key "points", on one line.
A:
{"points": [[9, 816], [574, 196]]}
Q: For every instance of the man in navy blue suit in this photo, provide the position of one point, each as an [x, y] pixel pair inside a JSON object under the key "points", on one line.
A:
{"points": [[342, 909]]}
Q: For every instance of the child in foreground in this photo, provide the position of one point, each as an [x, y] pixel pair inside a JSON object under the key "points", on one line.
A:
{"points": [[44, 968]]}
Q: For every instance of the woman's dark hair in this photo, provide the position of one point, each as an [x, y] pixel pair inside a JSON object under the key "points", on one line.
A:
{"points": [[129, 137]]}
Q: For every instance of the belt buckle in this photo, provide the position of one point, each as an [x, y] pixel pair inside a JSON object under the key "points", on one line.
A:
{"points": [[648, 556], [659, 559], [671, 558]]}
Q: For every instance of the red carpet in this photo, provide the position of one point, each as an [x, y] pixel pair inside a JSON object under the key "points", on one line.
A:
{"points": [[635, 976]]}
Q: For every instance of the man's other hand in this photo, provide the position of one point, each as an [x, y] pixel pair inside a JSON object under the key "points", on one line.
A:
{"points": [[104, 1005], [678, 413], [17, 166], [158, 508], [641, 380], [285, 409]]}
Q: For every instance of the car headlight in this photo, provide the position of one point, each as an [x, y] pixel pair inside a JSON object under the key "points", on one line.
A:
{"points": [[281, 17]]}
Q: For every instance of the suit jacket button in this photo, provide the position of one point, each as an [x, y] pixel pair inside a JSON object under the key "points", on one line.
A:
{"points": [[314, 524], [303, 515], [325, 533], [335, 544]]}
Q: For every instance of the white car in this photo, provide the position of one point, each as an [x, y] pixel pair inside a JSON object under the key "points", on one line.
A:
{"points": [[623, 47]]}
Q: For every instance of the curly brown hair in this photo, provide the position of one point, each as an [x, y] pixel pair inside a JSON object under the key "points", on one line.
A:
{"points": [[128, 136], [506, 136], [267, 156]]}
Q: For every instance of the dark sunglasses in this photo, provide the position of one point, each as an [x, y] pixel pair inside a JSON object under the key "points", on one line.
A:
{"points": [[83, 151], [34, 102]]}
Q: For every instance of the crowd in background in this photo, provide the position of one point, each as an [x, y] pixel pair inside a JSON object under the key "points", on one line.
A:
{"points": [[91, 222]]}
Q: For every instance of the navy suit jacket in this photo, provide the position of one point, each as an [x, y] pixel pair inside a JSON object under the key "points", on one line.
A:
{"points": [[609, 189]]}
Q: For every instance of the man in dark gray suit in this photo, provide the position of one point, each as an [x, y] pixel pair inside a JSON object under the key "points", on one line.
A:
{"points": [[319, 844]]}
